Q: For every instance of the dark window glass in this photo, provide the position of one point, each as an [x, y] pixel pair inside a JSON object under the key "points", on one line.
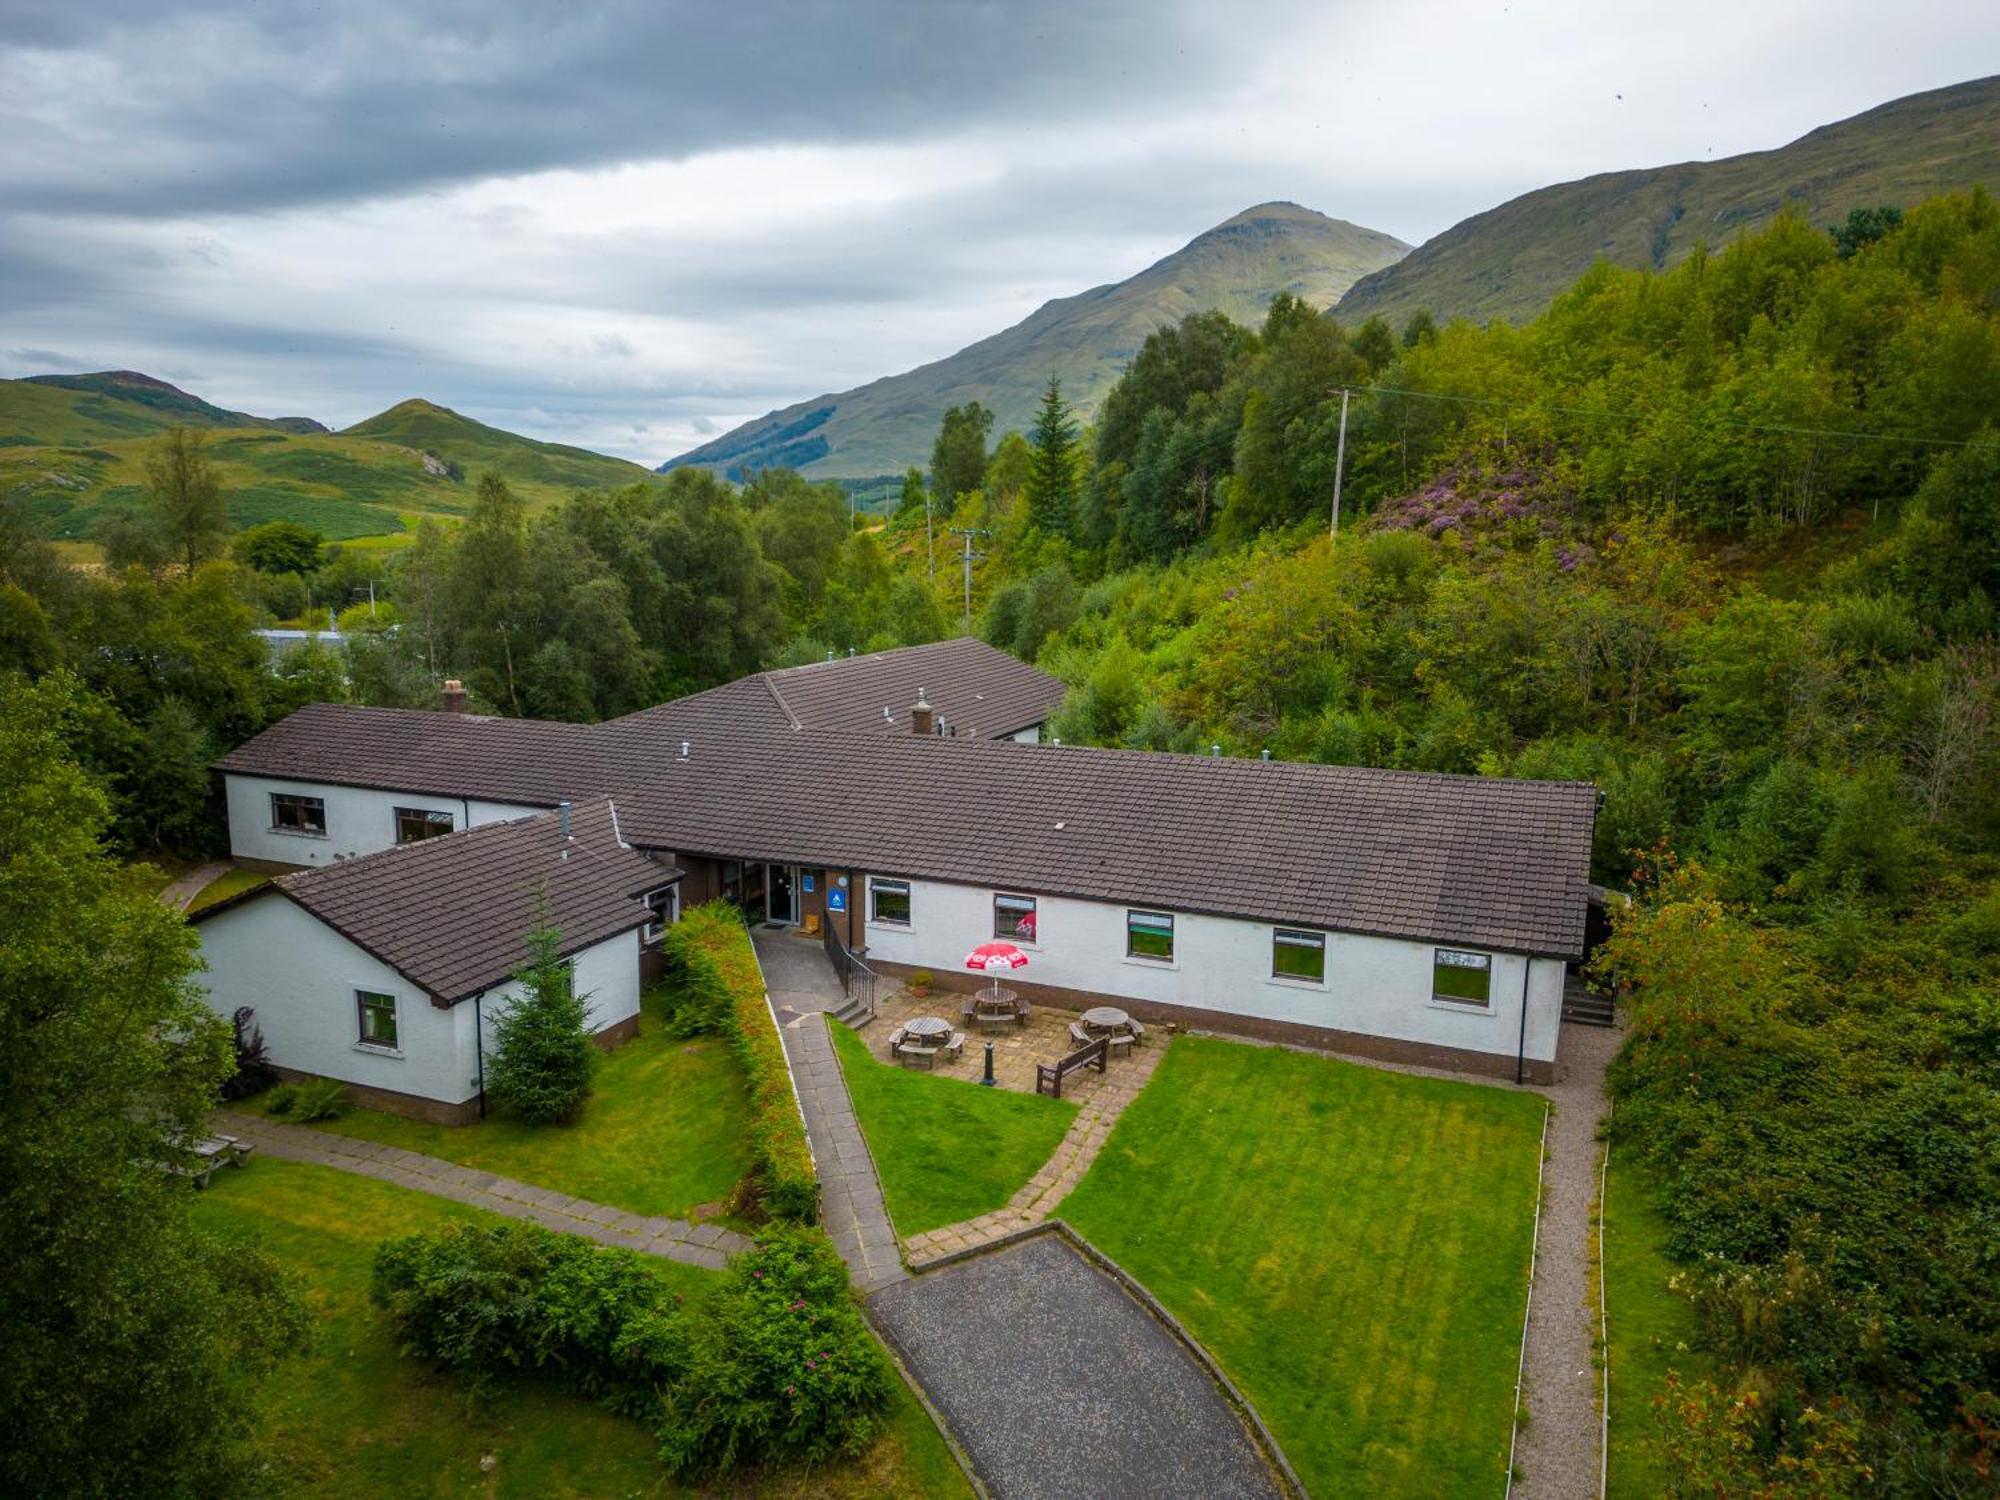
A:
{"points": [[296, 814], [891, 902], [414, 824], [1014, 917], [1463, 978], [1298, 955], [665, 905], [1149, 934], [378, 1018]]}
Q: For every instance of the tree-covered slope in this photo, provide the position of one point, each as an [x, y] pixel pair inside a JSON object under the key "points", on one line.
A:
{"points": [[1085, 341], [1511, 261]]}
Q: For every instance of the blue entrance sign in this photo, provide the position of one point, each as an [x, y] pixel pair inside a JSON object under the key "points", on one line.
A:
{"points": [[836, 900], [808, 881]]}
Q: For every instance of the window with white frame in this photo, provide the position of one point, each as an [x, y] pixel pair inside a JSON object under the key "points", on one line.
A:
{"points": [[1462, 978], [293, 813], [378, 1018], [889, 902], [415, 824], [1150, 935], [1298, 954], [665, 908], [1014, 917]]}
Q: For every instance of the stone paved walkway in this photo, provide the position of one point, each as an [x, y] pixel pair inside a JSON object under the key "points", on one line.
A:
{"points": [[179, 893], [1062, 1171], [797, 975], [851, 1205], [1560, 1450], [675, 1239]]}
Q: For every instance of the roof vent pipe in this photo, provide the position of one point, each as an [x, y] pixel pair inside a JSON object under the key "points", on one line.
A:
{"points": [[1267, 753], [562, 817], [1215, 750], [923, 719], [850, 651], [685, 747], [829, 653]]}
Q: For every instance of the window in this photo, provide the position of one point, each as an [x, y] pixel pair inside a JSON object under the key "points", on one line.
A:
{"points": [[378, 1018], [1149, 934], [1298, 955], [415, 824], [665, 906], [1462, 978], [291, 813], [1014, 917], [889, 901]]}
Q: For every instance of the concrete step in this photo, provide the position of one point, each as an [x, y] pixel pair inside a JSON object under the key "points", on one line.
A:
{"points": [[1589, 1010], [854, 1015]]}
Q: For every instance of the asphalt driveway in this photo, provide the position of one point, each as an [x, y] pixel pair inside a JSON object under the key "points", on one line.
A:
{"points": [[1059, 1384]]}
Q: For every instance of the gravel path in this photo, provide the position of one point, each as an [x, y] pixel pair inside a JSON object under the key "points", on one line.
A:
{"points": [[1559, 1452], [179, 893], [1059, 1384], [675, 1239]]}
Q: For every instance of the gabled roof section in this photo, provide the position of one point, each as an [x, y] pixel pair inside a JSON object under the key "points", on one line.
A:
{"points": [[452, 914], [1483, 861]]}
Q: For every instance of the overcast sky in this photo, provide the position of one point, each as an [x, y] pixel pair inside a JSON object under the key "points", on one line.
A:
{"points": [[633, 225]]}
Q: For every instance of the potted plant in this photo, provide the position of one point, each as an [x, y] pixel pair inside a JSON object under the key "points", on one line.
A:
{"points": [[921, 982]]}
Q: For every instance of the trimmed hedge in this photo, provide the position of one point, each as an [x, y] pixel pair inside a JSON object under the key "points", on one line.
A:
{"points": [[710, 960], [776, 1366]]}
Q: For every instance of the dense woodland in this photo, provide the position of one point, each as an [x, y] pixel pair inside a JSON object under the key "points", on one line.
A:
{"points": [[1724, 540]]}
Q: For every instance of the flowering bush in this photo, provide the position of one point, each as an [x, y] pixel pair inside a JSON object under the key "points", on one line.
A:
{"points": [[1494, 495]]}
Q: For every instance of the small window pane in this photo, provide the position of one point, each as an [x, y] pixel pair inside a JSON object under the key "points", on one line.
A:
{"points": [[1466, 978], [378, 1018], [1149, 934], [892, 902], [1014, 917], [665, 905], [296, 814], [414, 824], [1298, 955]]}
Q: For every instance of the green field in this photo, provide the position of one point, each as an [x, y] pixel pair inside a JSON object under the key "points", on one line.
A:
{"points": [[70, 457], [1651, 1329], [663, 1133], [349, 1416], [1352, 1244], [946, 1149]]}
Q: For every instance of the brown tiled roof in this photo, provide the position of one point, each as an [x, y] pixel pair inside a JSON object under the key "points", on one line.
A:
{"points": [[452, 914], [980, 691], [1486, 861]]}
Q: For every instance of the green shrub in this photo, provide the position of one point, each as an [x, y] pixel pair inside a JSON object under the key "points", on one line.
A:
{"points": [[782, 1182], [783, 1369], [284, 1099], [320, 1099], [543, 1059], [695, 995]]}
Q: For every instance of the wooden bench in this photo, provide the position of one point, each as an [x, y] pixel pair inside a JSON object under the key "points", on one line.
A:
{"points": [[1049, 1076], [955, 1048], [1120, 1041], [212, 1152], [1080, 1034]]}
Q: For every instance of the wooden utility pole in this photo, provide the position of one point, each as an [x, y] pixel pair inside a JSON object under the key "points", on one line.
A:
{"points": [[1339, 463], [969, 532]]}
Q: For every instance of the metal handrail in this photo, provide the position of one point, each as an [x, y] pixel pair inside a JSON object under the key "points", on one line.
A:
{"points": [[851, 967]]}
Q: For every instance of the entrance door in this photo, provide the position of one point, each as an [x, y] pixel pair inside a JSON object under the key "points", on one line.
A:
{"points": [[782, 894]]}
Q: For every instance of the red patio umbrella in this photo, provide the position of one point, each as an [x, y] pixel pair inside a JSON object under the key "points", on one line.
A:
{"points": [[994, 958]]}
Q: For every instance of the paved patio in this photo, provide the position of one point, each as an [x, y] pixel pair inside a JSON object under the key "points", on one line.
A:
{"points": [[1016, 1050]]}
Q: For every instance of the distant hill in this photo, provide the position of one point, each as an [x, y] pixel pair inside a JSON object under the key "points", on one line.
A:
{"points": [[1511, 261], [1085, 340], [73, 447]]}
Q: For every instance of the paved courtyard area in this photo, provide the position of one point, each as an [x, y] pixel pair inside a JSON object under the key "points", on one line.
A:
{"points": [[1016, 1049], [1059, 1384]]}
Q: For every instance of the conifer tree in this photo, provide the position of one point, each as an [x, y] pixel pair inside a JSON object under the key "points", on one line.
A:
{"points": [[543, 1058], [1051, 487]]}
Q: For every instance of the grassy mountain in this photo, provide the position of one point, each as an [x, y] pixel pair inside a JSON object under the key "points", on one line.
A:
{"points": [[1085, 340], [1510, 261], [73, 447]]}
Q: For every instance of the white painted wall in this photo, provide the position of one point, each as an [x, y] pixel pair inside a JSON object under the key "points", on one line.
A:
{"points": [[299, 975], [358, 820], [1377, 986], [1032, 735]]}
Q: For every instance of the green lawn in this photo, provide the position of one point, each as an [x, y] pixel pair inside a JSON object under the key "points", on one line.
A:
{"points": [[945, 1148], [1650, 1327], [225, 885], [350, 1416], [663, 1133], [1352, 1245]]}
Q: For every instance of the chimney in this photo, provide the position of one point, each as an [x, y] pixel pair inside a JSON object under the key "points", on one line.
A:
{"points": [[451, 699], [921, 719], [562, 816]]}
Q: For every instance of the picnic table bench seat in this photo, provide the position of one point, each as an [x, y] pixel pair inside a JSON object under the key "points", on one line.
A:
{"points": [[1049, 1076]]}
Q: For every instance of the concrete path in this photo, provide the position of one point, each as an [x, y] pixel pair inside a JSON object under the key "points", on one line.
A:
{"points": [[1560, 1451], [1062, 1171], [851, 1205], [1059, 1384], [675, 1239], [179, 893], [797, 974]]}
